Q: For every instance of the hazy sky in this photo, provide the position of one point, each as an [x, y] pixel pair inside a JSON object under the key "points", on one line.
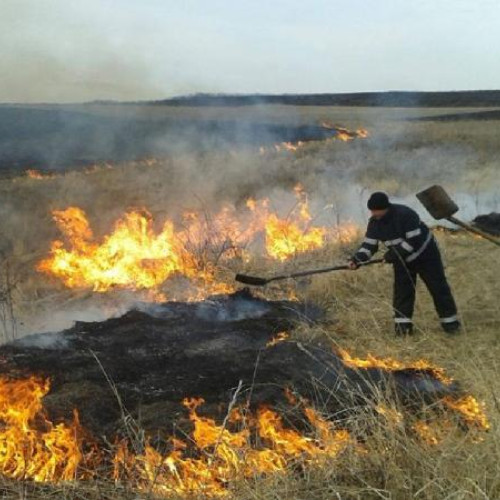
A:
{"points": [[74, 50]]}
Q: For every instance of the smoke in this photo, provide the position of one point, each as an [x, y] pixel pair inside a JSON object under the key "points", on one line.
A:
{"points": [[237, 308], [56, 51], [210, 158], [48, 340]]}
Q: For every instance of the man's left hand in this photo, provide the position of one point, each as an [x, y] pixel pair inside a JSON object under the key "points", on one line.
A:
{"points": [[353, 265], [390, 257]]}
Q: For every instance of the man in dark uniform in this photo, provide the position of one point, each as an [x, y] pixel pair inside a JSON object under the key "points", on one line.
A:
{"points": [[413, 251]]}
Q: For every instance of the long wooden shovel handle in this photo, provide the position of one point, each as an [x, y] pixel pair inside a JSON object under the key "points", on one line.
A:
{"points": [[323, 270], [473, 229]]}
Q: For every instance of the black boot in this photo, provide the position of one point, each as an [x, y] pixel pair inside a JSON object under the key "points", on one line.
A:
{"points": [[403, 329], [452, 327]]}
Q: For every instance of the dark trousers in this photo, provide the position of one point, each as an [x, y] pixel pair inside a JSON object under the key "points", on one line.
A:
{"points": [[429, 267]]}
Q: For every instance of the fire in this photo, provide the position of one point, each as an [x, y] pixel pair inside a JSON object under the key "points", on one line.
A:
{"points": [[338, 133], [392, 415], [132, 256], [470, 409], [426, 432], [284, 238], [135, 256], [467, 407], [36, 174], [280, 337], [31, 447], [346, 233], [343, 134], [288, 146], [390, 364], [287, 237], [212, 457], [227, 455]]}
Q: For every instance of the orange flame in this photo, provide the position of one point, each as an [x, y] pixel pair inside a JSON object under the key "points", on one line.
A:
{"points": [[244, 445], [470, 409], [36, 174], [132, 256], [287, 237], [31, 447], [345, 135], [226, 455], [426, 433], [135, 256], [280, 337], [341, 133], [390, 364], [392, 415]]}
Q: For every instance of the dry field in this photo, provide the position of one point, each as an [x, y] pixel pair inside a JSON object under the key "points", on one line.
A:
{"points": [[400, 157]]}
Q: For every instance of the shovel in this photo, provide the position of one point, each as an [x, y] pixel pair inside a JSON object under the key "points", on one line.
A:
{"points": [[437, 202], [256, 281]]}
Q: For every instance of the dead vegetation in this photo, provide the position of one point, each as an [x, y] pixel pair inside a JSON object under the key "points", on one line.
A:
{"points": [[400, 157]]}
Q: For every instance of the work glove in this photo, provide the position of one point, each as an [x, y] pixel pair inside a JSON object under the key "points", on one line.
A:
{"points": [[391, 257]]}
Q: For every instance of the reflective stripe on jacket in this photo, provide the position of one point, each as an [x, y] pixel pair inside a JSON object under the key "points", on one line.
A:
{"points": [[400, 230]]}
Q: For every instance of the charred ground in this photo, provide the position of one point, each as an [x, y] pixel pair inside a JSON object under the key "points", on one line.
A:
{"points": [[157, 355]]}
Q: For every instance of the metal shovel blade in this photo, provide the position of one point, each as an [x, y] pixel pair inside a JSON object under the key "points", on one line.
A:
{"points": [[437, 202]]}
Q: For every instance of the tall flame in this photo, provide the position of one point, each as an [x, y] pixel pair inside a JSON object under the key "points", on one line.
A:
{"points": [[135, 256], [132, 256], [31, 447]]}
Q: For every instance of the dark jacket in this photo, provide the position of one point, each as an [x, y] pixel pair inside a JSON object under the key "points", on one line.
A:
{"points": [[401, 230]]}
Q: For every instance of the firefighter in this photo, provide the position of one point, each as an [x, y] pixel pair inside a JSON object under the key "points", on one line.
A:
{"points": [[413, 251]]}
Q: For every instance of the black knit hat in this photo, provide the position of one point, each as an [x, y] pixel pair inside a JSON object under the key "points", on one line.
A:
{"points": [[378, 201]]}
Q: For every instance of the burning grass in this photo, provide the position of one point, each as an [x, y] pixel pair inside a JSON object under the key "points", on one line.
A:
{"points": [[214, 460], [424, 457], [134, 256]]}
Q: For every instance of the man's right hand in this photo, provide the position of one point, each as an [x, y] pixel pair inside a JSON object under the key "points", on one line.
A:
{"points": [[353, 265]]}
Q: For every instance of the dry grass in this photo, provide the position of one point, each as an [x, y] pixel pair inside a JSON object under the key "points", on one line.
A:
{"points": [[464, 155], [396, 465]]}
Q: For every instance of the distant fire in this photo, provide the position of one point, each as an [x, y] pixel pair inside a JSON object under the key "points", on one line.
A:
{"points": [[343, 134], [338, 134], [36, 174], [136, 256], [280, 337]]}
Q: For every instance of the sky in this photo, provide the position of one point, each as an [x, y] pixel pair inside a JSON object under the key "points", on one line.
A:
{"points": [[75, 50]]}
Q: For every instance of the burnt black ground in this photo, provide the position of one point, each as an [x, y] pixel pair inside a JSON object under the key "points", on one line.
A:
{"points": [[59, 138], [159, 354]]}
